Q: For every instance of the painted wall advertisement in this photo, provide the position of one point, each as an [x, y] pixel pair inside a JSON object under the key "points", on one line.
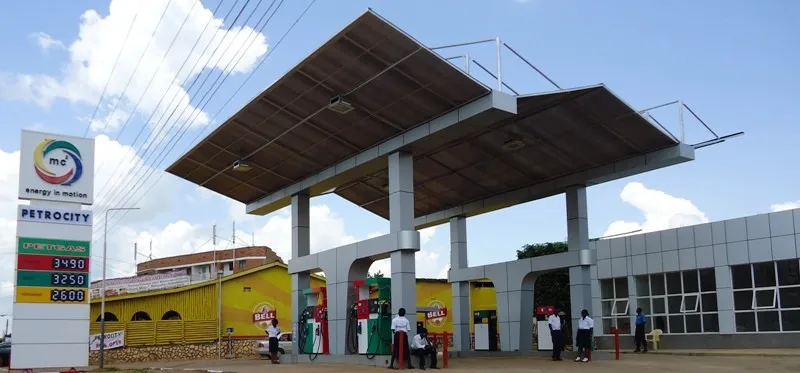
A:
{"points": [[113, 340], [54, 234], [138, 284]]}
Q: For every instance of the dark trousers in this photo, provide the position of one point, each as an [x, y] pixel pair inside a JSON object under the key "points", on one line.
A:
{"points": [[396, 350], [638, 338], [422, 352], [557, 337]]}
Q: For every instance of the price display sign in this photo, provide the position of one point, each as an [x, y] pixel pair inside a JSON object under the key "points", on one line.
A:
{"points": [[33, 294], [29, 262]]}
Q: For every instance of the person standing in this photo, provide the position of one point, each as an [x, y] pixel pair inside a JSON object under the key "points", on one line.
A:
{"points": [[400, 324], [555, 323], [584, 338], [638, 336], [274, 332]]}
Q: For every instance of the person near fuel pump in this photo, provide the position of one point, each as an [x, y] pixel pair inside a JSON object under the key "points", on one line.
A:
{"points": [[422, 347], [638, 335], [556, 325], [583, 341], [273, 332], [400, 324]]}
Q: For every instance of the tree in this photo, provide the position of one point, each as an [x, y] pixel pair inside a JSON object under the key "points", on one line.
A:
{"points": [[551, 288], [378, 274]]}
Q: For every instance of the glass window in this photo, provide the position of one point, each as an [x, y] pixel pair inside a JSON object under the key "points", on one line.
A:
{"points": [[674, 304], [660, 322], [607, 289], [674, 283], [608, 306], [789, 272], [768, 321], [764, 274], [242, 264], [642, 286], [745, 322], [791, 320], [742, 276], [621, 287], [659, 306], [657, 284], [743, 300], [693, 324], [711, 323], [764, 298], [708, 280], [690, 304], [676, 324], [790, 297], [620, 307], [690, 282], [708, 302], [624, 325], [644, 304]]}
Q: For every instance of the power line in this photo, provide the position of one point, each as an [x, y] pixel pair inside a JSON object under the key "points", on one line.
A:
{"points": [[138, 166], [188, 75], [139, 63], [113, 68], [184, 128]]}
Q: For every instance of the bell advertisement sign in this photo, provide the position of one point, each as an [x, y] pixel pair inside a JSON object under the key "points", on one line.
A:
{"points": [[56, 168]]}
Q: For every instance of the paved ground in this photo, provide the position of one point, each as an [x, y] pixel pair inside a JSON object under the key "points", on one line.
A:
{"points": [[629, 363]]}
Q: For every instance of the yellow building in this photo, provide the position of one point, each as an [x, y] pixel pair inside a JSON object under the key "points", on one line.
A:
{"points": [[188, 315]]}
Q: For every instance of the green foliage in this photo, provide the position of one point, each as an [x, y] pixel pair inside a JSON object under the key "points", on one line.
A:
{"points": [[378, 274], [551, 288]]}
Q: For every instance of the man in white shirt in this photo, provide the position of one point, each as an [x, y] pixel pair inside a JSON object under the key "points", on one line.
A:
{"points": [[421, 346], [556, 334], [400, 324]]}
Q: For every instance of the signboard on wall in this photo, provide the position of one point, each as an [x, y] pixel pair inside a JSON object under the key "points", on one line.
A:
{"points": [[54, 238], [263, 313], [139, 284], [56, 168], [112, 340]]}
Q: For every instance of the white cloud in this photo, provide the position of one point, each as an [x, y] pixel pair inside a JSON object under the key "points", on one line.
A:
{"points": [[791, 205], [45, 41], [661, 211], [93, 54]]}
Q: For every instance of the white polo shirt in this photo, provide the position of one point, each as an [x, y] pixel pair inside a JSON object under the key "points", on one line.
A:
{"points": [[400, 323], [585, 323], [555, 322]]}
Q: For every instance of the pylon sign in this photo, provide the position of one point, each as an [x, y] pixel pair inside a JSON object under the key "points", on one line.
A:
{"points": [[54, 234]]}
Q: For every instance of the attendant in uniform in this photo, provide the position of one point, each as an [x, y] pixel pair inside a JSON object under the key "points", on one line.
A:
{"points": [[421, 347], [584, 339], [555, 323], [400, 324], [273, 332], [638, 336]]}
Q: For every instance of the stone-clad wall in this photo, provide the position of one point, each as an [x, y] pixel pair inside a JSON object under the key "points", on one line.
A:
{"points": [[206, 351]]}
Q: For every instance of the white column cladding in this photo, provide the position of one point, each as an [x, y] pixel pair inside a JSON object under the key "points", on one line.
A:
{"points": [[633, 303], [301, 246], [461, 307], [727, 318], [580, 289], [401, 218]]}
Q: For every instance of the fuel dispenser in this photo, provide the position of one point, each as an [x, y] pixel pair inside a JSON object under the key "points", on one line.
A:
{"points": [[374, 316], [314, 323], [485, 322], [543, 339]]}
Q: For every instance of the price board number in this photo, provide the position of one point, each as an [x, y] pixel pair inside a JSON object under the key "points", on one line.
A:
{"points": [[68, 279], [68, 295], [68, 263]]}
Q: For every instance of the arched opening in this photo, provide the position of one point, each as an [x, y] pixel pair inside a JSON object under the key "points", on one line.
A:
{"points": [[171, 315], [110, 317], [141, 316]]}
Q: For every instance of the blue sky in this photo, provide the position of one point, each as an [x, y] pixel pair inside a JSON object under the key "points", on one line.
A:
{"points": [[735, 63]]}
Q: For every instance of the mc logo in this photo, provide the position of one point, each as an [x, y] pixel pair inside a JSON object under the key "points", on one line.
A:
{"points": [[43, 157]]}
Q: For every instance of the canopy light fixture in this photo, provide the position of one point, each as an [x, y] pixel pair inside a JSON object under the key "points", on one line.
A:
{"points": [[512, 143], [240, 166], [339, 105]]}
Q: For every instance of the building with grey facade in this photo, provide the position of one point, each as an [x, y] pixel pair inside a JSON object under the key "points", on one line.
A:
{"points": [[727, 284]]}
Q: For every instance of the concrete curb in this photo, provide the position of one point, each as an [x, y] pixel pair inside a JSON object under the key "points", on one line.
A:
{"points": [[709, 353], [192, 370]]}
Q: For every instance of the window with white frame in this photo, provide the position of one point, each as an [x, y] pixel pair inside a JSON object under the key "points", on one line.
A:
{"points": [[679, 302], [614, 299], [766, 296]]}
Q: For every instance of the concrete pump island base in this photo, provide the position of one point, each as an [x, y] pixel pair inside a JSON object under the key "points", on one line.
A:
{"points": [[386, 123]]}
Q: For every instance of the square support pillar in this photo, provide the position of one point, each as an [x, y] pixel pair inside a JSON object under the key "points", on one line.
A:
{"points": [[301, 246], [461, 306], [401, 218], [580, 288]]}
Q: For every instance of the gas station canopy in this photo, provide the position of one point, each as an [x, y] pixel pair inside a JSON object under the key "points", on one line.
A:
{"points": [[372, 83]]}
